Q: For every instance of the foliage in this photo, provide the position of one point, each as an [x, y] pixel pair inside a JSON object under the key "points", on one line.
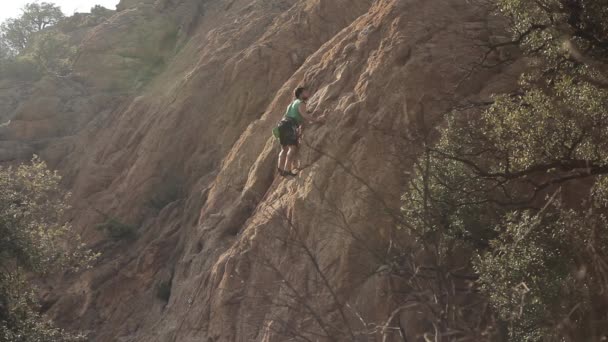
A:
{"points": [[18, 32], [52, 52], [118, 230], [41, 15], [19, 321], [99, 11], [5, 51], [33, 44], [15, 35], [496, 181], [545, 270], [169, 191], [80, 21], [33, 239], [163, 290], [20, 68], [544, 26], [32, 234], [570, 37]]}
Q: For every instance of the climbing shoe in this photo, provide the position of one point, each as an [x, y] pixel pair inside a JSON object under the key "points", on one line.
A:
{"points": [[290, 174]]}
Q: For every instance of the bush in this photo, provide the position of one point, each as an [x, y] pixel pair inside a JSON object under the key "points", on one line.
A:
{"points": [[52, 52], [20, 68], [19, 320], [118, 230], [163, 290], [168, 192], [101, 12], [34, 240]]}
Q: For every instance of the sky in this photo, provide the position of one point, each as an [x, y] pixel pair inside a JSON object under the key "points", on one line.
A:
{"points": [[12, 8]]}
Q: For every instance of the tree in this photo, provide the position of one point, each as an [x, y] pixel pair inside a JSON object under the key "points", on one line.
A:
{"points": [[5, 51], [15, 34], [522, 184], [34, 44], [33, 239], [42, 15], [35, 17]]}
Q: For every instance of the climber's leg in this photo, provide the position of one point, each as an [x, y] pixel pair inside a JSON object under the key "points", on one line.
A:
{"points": [[282, 159], [289, 144], [291, 159]]}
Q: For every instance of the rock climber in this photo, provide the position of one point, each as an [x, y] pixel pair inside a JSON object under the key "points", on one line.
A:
{"points": [[290, 130]]}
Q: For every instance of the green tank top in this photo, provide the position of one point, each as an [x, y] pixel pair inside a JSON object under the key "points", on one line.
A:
{"points": [[293, 111]]}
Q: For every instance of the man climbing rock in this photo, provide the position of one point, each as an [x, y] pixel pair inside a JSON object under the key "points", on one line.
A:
{"points": [[290, 129]]}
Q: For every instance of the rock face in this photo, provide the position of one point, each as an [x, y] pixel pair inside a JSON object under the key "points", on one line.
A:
{"points": [[166, 127]]}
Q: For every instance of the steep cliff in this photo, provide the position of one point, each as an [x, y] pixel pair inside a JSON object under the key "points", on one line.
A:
{"points": [[165, 127]]}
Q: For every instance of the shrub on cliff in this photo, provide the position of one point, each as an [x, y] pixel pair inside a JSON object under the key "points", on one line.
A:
{"points": [[495, 184], [101, 12], [5, 51], [117, 230], [34, 240], [20, 68], [52, 52]]}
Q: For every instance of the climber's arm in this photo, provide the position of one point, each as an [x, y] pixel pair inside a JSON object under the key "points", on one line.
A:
{"points": [[303, 111]]}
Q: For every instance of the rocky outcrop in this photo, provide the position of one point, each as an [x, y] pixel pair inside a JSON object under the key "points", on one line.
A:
{"points": [[177, 101]]}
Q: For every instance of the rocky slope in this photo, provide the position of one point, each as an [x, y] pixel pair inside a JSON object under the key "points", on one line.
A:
{"points": [[165, 128]]}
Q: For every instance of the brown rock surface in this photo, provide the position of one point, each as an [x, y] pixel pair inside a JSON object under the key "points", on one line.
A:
{"points": [[180, 149]]}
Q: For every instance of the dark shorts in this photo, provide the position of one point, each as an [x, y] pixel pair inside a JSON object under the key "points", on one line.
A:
{"points": [[288, 133]]}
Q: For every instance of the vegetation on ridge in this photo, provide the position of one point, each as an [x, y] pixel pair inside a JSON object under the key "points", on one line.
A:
{"points": [[38, 43]]}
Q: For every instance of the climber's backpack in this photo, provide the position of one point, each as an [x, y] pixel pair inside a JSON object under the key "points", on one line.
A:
{"points": [[276, 131]]}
